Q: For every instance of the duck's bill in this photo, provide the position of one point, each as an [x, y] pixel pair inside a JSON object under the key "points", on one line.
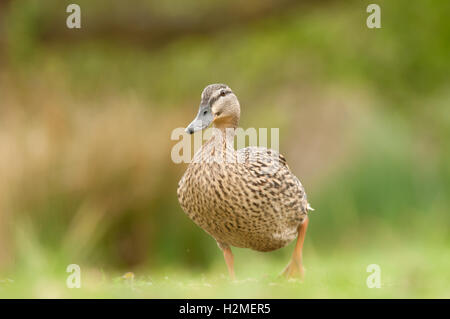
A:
{"points": [[196, 125], [202, 121]]}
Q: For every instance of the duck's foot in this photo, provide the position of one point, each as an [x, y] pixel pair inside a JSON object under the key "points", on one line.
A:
{"points": [[294, 270]]}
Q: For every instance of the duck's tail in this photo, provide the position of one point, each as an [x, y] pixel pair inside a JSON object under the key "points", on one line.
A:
{"points": [[308, 207]]}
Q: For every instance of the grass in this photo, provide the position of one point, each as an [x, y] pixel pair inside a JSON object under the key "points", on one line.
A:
{"points": [[416, 270]]}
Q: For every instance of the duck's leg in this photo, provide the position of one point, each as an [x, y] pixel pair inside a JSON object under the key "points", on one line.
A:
{"points": [[229, 259], [295, 266]]}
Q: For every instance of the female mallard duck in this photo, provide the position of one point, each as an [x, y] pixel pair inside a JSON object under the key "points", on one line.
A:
{"points": [[246, 198]]}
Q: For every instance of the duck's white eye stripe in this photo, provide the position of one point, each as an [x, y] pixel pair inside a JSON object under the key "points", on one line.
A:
{"points": [[219, 95]]}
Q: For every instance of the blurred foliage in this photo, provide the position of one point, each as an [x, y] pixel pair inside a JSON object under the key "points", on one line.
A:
{"points": [[86, 116]]}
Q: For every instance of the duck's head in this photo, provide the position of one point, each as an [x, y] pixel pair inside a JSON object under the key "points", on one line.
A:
{"points": [[219, 106]]}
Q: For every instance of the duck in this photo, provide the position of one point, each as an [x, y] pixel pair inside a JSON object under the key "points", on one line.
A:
{"points": [[246, 198]]}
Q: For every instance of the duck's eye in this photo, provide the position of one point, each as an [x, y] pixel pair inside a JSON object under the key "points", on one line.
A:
{"points": [[222, 93]]}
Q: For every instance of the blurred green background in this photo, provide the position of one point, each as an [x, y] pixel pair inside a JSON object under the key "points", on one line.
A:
{"points": [[86, 115]]}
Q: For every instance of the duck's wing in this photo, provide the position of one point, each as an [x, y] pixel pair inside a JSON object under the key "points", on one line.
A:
{"points": [[269, 170], [261, 157]]}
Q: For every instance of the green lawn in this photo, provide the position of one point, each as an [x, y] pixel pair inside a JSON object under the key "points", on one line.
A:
{"points": [[413, 271]]}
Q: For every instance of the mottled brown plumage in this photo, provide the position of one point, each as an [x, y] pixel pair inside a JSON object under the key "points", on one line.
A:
{"points": [[246, 198]]}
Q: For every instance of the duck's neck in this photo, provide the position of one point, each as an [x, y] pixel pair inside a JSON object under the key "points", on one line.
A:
{"points": [[224, 137], [219, 148], [224, 128], [229, 122]]}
